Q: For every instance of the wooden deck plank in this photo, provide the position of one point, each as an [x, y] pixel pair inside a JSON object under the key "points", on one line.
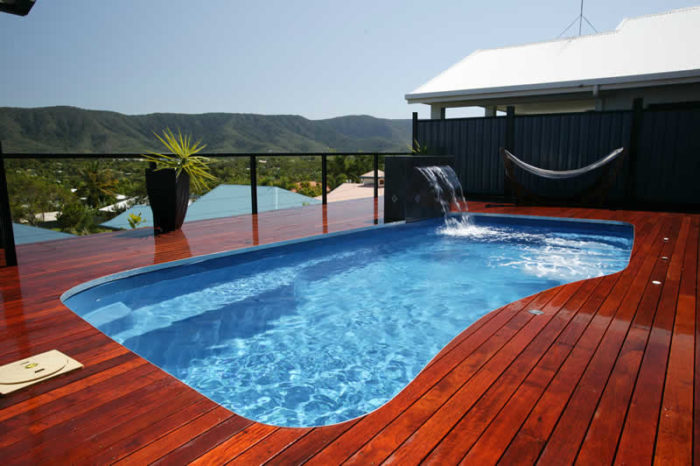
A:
{"points": [[454, 446], [507, 389], [261, 451], [204, 442], [508, 421], [90, 424], [131, 434], [301, 450], [674, 441], [151, 449], [236, 445], [696, 402], [97, 354], [571, 429], [639, 432], [609, 418], [63, 397], [534, 433]]}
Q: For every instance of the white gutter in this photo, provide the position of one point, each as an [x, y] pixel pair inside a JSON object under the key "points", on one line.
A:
{"points": [[593, 85]]}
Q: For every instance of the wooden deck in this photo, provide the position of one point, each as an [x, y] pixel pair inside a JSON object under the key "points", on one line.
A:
{"points": [[609, 373]]}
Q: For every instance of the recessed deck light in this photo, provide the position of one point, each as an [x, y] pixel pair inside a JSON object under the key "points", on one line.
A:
{"points": [[664, 258], [665, 240], [535, 312], [656, 282]]}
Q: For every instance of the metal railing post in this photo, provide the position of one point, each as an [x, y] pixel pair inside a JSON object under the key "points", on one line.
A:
{"points": [[376, 176], [324, 179], [414, 131], [253, 186], [8, 236], [632, 160], [509, 143]]}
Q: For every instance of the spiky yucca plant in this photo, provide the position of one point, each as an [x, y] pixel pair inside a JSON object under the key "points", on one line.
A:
{"points": [[182, 158]]}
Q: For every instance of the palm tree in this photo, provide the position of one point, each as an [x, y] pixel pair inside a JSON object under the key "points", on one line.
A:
{"points": [[97, 185]]}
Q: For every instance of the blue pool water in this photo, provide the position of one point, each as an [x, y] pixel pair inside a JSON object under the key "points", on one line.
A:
{"points": [[324, 330]]}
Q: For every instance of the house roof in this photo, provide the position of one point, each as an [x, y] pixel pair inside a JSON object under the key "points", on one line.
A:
{"points": [[642, 51], [28, 234], [223, 201], [348, 191], [370, 174]]}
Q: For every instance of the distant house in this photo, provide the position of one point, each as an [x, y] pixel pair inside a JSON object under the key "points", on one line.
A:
{"points": [[367, 179], [122, 202], [225, 200], [653, 57], [365, 189]]}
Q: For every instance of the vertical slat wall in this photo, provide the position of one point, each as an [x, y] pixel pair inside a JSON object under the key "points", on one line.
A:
{"points": [[569, 141], [669, 157], [474, 142], [667, 160]]}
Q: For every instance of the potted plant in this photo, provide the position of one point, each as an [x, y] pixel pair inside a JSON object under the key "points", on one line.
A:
{"points": [[169, 176]]}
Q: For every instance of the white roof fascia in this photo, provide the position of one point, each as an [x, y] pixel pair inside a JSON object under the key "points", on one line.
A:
{"points": [[568, 87]]}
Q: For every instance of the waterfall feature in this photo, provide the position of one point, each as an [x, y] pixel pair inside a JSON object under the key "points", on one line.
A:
{"points": [[434, 191]]}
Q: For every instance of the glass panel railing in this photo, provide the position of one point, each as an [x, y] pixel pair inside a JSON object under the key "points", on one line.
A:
{"points": [[226, 196], [55, 198], [352, 177], [60, 198], [286, 182]]}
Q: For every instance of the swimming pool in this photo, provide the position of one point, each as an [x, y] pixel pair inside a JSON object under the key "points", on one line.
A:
{"points": [[322, 330]]}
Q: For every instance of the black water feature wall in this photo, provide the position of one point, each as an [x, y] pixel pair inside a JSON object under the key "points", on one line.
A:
{"points": [[398, 176], [433, 192]]}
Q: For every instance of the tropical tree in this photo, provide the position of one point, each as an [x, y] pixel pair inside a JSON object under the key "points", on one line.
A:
{"points": [[31, 195], [97, 184], [78, 218]]}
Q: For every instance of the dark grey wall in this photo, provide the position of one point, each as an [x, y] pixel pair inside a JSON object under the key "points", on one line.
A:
{"points": [[661, 166], [474, 142], [669, 157], [568, 141]]}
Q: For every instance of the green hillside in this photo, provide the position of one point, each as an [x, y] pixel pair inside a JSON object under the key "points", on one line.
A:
{"points": [[70, 129]]}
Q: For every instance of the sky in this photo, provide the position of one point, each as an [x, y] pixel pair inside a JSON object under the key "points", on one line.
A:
{"points": [[315, 58]]}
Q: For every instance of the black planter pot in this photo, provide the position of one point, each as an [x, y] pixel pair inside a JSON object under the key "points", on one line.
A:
{"points": [[168, 196]]}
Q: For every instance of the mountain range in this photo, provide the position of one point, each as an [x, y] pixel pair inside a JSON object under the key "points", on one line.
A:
{"points": [[71, 129]]}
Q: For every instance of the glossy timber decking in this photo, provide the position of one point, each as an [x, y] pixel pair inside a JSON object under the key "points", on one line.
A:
{"points": [[609, 372]]}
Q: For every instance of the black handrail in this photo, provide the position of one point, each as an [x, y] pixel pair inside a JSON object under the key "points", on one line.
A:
{"points": [[84, 155], [6, 217]]}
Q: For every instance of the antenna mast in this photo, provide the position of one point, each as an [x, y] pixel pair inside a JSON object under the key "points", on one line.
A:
{"points": [[580, 18]]}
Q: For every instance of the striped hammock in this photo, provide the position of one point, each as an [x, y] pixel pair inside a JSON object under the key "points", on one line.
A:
{"points": [[563, 174]]}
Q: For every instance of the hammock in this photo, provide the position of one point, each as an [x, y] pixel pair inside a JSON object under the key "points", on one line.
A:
{"points": [[593, 194], [563, 174]]}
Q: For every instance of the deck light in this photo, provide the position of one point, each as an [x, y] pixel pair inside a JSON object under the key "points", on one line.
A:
{"points": [[664, 258], [665, 240], [16, 7], [535, 312], [656, 282]]}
